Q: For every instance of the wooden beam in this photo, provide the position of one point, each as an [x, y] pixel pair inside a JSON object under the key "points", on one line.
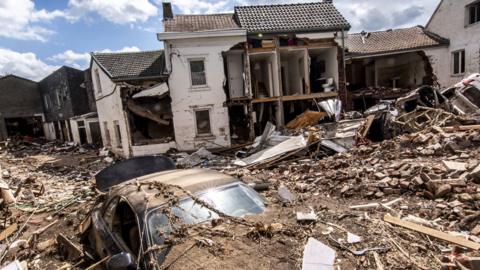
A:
{"points": [[297, 97], [139, 110], [8, 231], [461, 128], [432, 232]]}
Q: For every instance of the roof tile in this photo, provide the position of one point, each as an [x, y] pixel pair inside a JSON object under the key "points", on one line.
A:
{"points": [[304, 17], [195, 23], [132, 64], [393, 41]]}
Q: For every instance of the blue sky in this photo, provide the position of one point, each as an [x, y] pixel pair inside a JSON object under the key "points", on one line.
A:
{"points": [[38, 36]]}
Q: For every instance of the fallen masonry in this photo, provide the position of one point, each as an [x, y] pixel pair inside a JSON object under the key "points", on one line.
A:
{"points": [[410, 202]]}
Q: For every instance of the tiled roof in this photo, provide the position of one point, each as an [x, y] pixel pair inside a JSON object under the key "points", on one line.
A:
{"points": [[195, 23], [393, 41], [305, 17], [132, 64]]}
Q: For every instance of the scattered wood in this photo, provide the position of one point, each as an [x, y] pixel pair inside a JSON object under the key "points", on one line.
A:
{"points": [[42, 246], [432, 232], [141, 111], [93, 266], [461, 128], [306, 119], [8, 231], [68, 249], [378, 262], [374, 205]]}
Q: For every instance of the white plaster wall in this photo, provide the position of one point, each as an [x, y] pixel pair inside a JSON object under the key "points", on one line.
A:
{"points": [[440, 61], [75, 132], [450, 21], [109, 107], [185, 99], [49, 130], [144, 150]]}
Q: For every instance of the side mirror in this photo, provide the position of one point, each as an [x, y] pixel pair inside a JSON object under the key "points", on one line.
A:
{"points": [[121, 261]]}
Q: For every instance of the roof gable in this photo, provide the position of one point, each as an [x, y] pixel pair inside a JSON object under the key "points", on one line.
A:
{"points": [[195, 23], [132, 65], [390, 41], [304, 17], [15, 77]]}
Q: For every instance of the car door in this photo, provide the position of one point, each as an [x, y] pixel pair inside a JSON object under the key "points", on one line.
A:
{"points": [[105, 244]]}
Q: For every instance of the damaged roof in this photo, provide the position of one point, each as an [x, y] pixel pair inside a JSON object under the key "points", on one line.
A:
{"points": [[391, 41], [132, 65], [304, 17], [195, 23]]}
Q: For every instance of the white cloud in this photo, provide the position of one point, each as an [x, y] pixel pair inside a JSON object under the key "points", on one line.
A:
{"points": [[82, 60], [124, 49], [201, 6], [24, 65], [363, 15], [71, 58], [20, 20], [116, 11]]}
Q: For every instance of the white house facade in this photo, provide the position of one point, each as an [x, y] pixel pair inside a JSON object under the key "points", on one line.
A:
{"points": [[458, 21]]}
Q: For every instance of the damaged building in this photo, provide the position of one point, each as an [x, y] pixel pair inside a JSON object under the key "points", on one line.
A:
{"points": [[64, 95], [220, 78], [388, 64], [457, 20], [133, 102], [230, 74], [21, 112]]}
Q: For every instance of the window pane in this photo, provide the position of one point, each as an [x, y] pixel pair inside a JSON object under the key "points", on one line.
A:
{"points": [[456, 63], [203, 122], [197, 70], [462, 61], [473, 15]]}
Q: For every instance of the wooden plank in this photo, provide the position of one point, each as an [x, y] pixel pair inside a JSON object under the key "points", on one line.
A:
{"points": [[432, 232], [8, 231], [311, 96], [461, 128]]}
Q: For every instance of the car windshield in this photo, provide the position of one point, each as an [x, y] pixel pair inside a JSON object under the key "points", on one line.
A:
{"points": [[235, 200]]}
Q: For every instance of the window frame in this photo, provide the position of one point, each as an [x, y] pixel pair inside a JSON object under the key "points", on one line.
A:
{"points": [[47, 101], [98, 82], [195, 111], [461, 62], [476, 17], [204, 61], [107, 134], [118, 134]]}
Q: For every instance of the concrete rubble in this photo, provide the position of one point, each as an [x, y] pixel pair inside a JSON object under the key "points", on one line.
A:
{"points": [[336, 198]]}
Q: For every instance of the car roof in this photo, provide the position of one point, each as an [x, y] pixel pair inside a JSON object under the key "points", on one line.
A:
{"points": [[143, 194]]}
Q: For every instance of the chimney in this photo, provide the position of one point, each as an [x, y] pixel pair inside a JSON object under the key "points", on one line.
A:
{"points": [[167, 10]]}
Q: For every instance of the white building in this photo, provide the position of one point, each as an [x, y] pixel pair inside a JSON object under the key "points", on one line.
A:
{"points": [[229, 74], [132, 124], [458, 21], [226, 76]]}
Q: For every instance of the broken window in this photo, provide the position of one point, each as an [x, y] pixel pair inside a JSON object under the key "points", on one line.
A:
{"points": [[203, 122], [82, 132], [107, 134], [474, 13], [47, 101], [59, 100], [118, 134], [97, 82], [197, 72], [459, 62], [150, 119]]}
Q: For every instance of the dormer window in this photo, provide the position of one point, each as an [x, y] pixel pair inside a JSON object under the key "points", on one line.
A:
{"points": [[473, 11]]}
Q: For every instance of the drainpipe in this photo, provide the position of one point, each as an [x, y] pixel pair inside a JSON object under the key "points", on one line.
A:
{"points": [[344, 68]]}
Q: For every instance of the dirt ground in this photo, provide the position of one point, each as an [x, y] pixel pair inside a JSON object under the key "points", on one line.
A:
{"points": [[53, 185]]}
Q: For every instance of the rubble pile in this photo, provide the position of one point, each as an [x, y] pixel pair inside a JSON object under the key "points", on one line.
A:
{"points": [[46, 191], [429, 178]]}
